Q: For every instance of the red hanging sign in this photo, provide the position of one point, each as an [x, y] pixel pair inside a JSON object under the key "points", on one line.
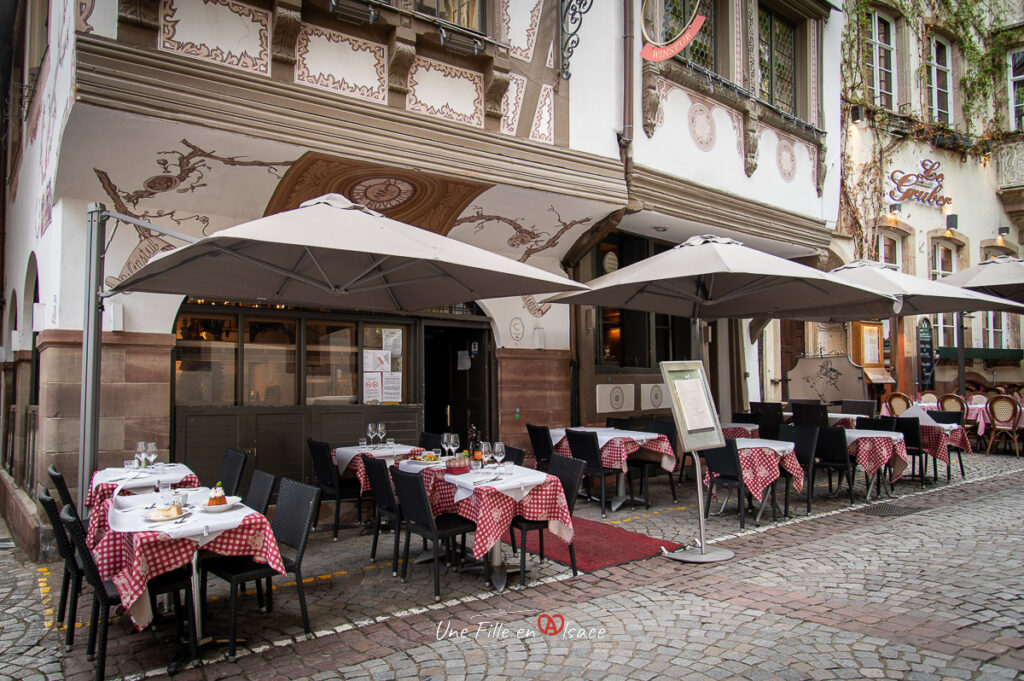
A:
{"points": [[652, 52]]}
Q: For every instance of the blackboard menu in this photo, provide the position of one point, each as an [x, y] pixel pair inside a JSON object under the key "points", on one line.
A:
{"points": [[926, 353]]}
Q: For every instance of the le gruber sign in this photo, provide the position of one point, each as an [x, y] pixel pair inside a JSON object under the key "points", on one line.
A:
{"points": [[660, 51], [924, 186]]}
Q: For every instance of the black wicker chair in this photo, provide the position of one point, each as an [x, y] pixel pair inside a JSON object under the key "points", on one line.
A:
{"points": [[809, 415], [769, 418], [261, 487], [860, 407], [875, 423], [910, 426], [412, 497], [951, 417], [569, 471], [583, 445], [831, 455], [515, 454], [231, 471], [332, 486], [540, 441], [385, 503], [723, 464], [297, 504], [71, 582], [805, 440], [430, 441], [620, 423], [62, 488], [105, 595]]}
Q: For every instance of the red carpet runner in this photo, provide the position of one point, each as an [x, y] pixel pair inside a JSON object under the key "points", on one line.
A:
{"points": [[598, 545]]}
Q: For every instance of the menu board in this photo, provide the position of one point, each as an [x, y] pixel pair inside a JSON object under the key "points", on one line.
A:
{"points": [[692, 405], [926, 354]]}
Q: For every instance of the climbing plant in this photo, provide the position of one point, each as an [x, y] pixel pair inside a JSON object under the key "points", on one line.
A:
{"points": [[981, 36]]}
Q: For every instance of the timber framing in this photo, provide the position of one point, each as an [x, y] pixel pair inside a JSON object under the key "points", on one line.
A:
{"points": [[681, 198], [154, 84]]}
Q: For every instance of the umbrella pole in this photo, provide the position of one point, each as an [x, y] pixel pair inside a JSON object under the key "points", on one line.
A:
{"points": [[961, 355], [89, 422]]}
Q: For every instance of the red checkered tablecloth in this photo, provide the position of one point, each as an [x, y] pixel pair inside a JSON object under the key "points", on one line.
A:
{"points": [[492, 511], [760, 466], [615, 453], [936, 441], [356, 465], [741, 431], [872, 453], [131, 559], [98, 493]]}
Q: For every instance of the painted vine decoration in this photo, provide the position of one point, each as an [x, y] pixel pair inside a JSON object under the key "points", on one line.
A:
{"points": [[982, 37]]}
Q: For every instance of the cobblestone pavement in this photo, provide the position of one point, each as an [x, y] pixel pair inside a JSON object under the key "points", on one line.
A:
{"points": [[849, 592]]}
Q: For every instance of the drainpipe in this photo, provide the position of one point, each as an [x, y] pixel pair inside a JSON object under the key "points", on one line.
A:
{"points": [[626, 137]]}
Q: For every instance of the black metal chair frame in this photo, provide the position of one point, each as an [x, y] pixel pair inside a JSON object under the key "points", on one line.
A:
{"points": [[430, 441], [569, 472], [723, 465], [261, 488], [62, 487], [385, 506], [105, 595], [583, 445], [332, 487], [540, 441], [412, 497], [956, 417], [805, 440], [910, 426], [297, 504], [71, 582], [832, 454], [515, 454]]}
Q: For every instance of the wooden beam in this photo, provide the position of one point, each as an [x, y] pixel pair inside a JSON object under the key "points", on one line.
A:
{"points": [[591, 238]]}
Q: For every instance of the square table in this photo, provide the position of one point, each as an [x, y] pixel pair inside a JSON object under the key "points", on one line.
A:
{"points": [[616, 446], [135, 550], [129, 480], [760, 462], [348, 458], [835, 419], [736, 430], [874, 448], [492, 502]]}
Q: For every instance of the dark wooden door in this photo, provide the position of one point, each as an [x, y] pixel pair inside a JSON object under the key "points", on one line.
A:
{"points": [[456, 380], [793, 339]]}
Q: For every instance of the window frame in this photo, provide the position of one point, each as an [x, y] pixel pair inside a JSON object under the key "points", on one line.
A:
{"points": [[897, 239], [932, 69], [875, 46], [796, 74], [1011, 81], [419, 6], [989, 329], [943, 323]]}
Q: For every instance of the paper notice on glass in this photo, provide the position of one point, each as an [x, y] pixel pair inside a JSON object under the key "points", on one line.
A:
{"points": [[372, 387], [376, 360], [694, 403], [463, 362], [392, 341], [392, 389], [870, 336]]}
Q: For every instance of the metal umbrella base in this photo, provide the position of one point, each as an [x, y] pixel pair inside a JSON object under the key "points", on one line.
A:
{"points": [[710, 554]]}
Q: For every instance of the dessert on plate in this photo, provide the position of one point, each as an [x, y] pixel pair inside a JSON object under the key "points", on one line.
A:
{"points": [[217, 497]]}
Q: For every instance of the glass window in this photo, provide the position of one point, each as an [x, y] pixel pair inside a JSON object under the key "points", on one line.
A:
{"points": [[881, 58], [993, 324], [270, 359], [777, 55], [940, 98], [205, 357], [1015, 67], [675, 17], [332, 369], [943, 263], [384, 352], [890, 251], [467, 13]]}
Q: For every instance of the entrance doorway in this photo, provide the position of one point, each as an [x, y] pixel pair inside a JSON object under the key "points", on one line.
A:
{"points": [[793, 341], [457, 380]]}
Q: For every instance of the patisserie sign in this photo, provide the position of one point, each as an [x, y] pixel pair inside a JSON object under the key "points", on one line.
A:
{"points": [[924, 186]]}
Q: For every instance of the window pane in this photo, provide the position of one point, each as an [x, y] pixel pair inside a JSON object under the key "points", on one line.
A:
{"points": [[889, 251], [270, 354], [205, 359], [946, 260], [468, 13], [332, 369], [611, 335], [764, 20], [702, 49], [785, 65], [391, 342]]}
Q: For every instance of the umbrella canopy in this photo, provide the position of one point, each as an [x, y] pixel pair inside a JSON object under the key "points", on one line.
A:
{"points": [[918, 295], [717, 278], [999, 276], [333, 253]]}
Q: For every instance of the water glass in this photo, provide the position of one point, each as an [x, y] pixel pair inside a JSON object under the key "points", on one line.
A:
{"points": [[509, 468], [436, 452], [391, 444], [130, 463], [362, 443], [475, 464], [165, 491]]}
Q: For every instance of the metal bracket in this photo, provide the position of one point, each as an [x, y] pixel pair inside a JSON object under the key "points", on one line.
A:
{"points": [[572, 20]]}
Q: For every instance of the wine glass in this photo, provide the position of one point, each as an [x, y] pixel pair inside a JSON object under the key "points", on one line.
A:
{"points": [[371, 432], [382, 430], [454, 442], [140, 454], [151, 452], [498, 452], [485, 451], [444, 443]]}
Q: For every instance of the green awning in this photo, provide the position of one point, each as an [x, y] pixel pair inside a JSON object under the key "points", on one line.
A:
{"points": [[983, 353]]}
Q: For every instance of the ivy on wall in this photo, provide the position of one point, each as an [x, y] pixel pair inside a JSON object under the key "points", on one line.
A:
{"points": [[979, 34]]}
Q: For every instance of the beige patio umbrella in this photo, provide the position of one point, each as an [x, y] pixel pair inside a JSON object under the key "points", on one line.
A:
{"points": [[333, 253], [713, 277], [999, 276]]}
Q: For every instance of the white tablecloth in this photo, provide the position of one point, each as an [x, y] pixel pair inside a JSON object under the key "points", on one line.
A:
{"points": [[781, 447], [343, 455], [854, 435], [605, 435], [127, 514], [138, 478], [517, 485]]}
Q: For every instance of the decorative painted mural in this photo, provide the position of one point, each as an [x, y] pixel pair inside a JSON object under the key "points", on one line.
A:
{"points": [[531, 239], [445, 91], [340, 63], [543, 128], [182, 171], [512, 103], [224, 32], [520, 22]]}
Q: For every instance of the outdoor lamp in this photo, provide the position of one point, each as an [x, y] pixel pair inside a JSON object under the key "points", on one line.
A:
{"points": [[857, 113], [951, 221], [895, 210], [1003, 232]]}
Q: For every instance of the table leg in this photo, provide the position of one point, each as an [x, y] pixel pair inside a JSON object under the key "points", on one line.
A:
{"points": [[497, 572], [619, 499]]}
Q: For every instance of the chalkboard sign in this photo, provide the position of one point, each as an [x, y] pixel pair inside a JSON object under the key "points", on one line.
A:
{"points": [[926, 354]]}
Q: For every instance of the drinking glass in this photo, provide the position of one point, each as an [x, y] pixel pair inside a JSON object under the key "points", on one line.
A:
{"points": [[382, 430], [129, 463], [371, 431], [485, 451], [391, 444], [164, 486], [446, 443], [436, 452], [151, 452], [475, 464], [499, 452], [140, 454], [455, 442], [362, 443]]}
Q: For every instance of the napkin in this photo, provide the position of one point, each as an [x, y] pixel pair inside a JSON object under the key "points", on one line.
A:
{"points": [[922, 416], [517, 485]]}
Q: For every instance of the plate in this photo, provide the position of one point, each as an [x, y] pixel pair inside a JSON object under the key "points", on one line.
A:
{"points": [[149, 516], [232, 502]]}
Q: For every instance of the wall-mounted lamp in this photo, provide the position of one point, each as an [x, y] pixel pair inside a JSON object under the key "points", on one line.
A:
{"points": [[895, 208], [951, 224], [1003, 232], [857, 113]]}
